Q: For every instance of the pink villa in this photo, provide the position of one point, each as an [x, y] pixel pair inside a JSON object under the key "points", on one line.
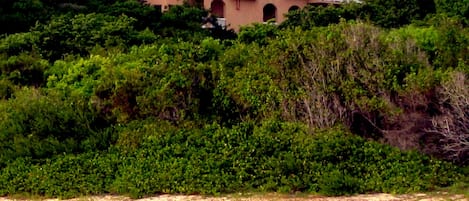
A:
{"points": [[236, 13]]}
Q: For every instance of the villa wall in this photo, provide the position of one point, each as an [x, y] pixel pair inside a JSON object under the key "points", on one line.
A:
{"points": [[238, 13], [243, 12]]}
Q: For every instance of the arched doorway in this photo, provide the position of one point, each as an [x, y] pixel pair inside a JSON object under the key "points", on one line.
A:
{"points": [[293, 8], [218, 8], [270, 12]]}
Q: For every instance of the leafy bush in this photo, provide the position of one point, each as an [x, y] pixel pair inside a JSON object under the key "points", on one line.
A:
{"points": [[40, 125], [23, 69], [169, 81], [328, 73], [383, 13], [258, 33], [146, 16], [6, 89], [314, 16], [339, 183], [396, 13], [15, 44], [69, 35], [182, 22], [454, 8], [271, 156], [65, 176]]}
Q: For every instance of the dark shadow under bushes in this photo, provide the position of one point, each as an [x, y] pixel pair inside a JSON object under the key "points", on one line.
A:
{"points": [[271, 156]]}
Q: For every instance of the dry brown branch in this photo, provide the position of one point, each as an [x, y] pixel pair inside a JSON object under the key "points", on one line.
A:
{"points": [[453, 124]]}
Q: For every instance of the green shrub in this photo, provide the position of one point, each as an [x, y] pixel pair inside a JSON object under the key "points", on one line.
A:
{"points": [[339, 183], [6, 89], [15, 44], [183, 22], [258, 33], [14, 177], [383, 13], [23, 69], [69, 35], [444, 41], [315, 16], [271, 156], [41, 125], [454, 8], [147, 16], [64, 176]]}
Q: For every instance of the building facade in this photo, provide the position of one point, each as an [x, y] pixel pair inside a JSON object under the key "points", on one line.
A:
{"points": [[236, 13]]}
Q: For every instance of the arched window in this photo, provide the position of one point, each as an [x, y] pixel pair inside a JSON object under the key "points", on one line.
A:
{"points": [[218, 8], [270, 12], [293, 8]]}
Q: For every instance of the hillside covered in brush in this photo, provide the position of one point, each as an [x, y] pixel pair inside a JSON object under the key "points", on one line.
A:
{"points": [[116, 97]]}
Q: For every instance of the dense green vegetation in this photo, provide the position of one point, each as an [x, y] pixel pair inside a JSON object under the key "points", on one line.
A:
{"points": [[271, 156], [116, 97]]}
